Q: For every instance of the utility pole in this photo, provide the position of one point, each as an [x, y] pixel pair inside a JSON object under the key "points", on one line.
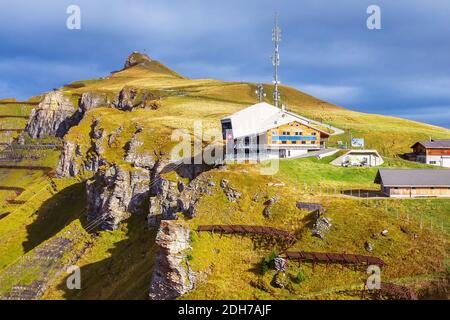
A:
{"points": [[276, 38]]}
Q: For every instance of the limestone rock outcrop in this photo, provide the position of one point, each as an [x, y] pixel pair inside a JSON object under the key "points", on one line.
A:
{"points": [[53, 116], [320, 226], [90, 100], [114, 194], [68, 165], [139, 158], [74, 161], [169, 197], [136, 58], [172, 275], [130, 98]]}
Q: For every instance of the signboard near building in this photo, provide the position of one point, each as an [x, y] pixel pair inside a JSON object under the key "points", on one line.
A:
{"points": [[357, 142]]}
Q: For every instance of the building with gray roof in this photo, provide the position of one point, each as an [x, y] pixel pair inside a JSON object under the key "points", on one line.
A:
{"points": [[413, 183]]}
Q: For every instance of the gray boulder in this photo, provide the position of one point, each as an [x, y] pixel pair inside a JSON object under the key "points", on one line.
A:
{"points": [[232, 194]]}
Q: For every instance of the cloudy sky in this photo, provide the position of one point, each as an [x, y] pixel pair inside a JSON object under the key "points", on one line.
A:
{"points": [[327, 49]]}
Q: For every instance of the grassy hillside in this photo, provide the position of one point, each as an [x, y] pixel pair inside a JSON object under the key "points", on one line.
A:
{"points": [[118, 265]]}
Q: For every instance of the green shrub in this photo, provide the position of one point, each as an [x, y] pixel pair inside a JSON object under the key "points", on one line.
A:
{"points": [[268, 261], [300, 277]]}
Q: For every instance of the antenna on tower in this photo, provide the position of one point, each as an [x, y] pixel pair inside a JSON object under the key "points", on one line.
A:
{"points": [[276, 38], [260, 92]]}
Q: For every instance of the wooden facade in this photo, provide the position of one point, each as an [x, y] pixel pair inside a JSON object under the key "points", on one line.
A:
{"points": [[294, 133], [419, 149], [438, 152], [413, 192]]}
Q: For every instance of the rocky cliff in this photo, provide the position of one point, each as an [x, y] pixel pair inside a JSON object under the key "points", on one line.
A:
{"points": [[74, 160], [172, 274], [167, 198], [114, 193], [53, 116], [135, 154], [91, 100]]}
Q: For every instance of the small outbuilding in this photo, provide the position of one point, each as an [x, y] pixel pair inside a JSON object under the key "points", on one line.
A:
{"points": [[359, 158], [414, 183]]}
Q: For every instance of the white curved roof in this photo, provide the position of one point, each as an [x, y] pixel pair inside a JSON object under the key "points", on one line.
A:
{"points": [[261, 117]]}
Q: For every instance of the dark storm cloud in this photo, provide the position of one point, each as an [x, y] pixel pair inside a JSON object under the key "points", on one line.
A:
{"points": [[327, 50]]}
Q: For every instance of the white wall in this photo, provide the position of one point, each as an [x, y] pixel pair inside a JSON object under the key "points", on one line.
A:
{"points": [[442, 161], [295, 153]]}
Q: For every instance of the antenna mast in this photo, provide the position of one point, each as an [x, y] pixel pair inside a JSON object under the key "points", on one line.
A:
{"points": [[276, 38], [260, 92]]}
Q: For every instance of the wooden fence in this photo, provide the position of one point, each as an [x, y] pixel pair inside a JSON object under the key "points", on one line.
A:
{"points": [[329, 258], [247, 229]]}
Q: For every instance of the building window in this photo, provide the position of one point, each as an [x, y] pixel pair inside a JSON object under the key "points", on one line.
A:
{"points": [[314, 133], [283, 142], [432, 162], [294, 142], [303, 142], [313, 141], [274, 133]]}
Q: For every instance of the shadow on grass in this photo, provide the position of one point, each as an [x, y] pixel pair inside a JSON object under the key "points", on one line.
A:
{"points": [[56, 213], [4, 215], [125, 273]]}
